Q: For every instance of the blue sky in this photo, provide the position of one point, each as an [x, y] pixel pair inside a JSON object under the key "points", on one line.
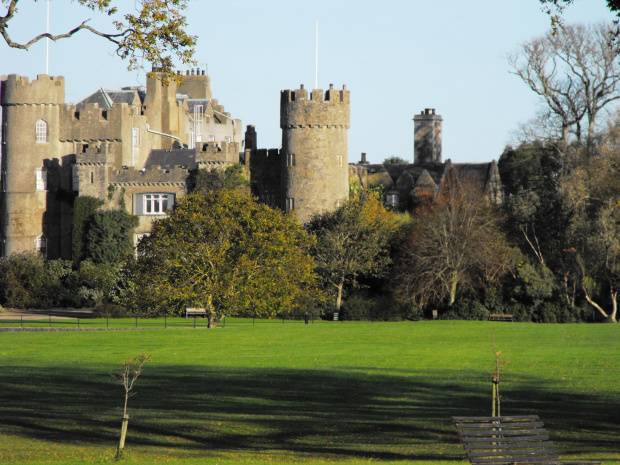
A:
{"points": [[397, 57]]}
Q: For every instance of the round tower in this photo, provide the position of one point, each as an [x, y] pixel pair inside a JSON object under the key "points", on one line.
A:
{"points": [[427, 137], [30, 153], [314, 154]]}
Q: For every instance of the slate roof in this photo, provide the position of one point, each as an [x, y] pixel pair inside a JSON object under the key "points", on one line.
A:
{"points": [[169, 158], [106, 97]]}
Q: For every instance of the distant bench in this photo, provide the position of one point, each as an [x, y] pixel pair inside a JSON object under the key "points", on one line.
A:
{"points": [[497, 317], [195, 312]]}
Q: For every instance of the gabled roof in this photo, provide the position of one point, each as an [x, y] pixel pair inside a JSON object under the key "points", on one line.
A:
{"points": [[106, 97]]}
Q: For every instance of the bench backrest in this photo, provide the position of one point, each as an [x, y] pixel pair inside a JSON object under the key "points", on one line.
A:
{"points": [[514, 439]]}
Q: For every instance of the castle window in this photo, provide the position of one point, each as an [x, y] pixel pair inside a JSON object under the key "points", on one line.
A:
{"points": [[76, 179], [339, 161], [290, 159], [211, 138], [392, 200], [41, 179], [290, 204], [41, 131], [153, 203], [41, 245], [135, 136]]}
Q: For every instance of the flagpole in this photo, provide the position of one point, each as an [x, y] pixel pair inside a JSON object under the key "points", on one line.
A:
{"points": [[316, 64], [47, 41]]}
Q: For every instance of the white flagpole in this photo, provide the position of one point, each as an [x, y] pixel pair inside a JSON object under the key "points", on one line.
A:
{"points": [[47, 41], [316, 64]]}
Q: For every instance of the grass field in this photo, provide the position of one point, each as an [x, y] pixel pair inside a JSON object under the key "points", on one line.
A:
{"points": [[291, 393]]}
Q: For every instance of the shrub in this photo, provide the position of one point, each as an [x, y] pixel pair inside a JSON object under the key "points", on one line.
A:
{"points": [[109, 310], [465, 309]]}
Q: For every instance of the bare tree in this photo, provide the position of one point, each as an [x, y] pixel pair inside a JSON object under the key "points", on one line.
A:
{"points": [[576, 73], [454, 245], [132, 369], [156, 29]]}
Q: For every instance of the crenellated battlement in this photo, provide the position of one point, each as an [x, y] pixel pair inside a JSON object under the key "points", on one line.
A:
{"points": [[16, 90], [218, 151], [316, 109], [154, 176]]}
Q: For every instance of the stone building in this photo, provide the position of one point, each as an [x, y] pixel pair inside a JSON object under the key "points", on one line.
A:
{"points": [[406, 185], [133, 148]]}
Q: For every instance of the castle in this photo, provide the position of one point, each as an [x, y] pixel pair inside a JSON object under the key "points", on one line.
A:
{"points": [[135, 148]]}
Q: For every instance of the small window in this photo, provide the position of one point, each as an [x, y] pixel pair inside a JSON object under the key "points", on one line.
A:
{"points": [[339, 160], [76, 179], [135, 134], [227, 139], [392, 200], [211, 138], [41, 131], [41, 245], [290, 159], [41, 179], [290, 204]]}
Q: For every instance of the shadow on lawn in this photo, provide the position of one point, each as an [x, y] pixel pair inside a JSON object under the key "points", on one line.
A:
{"points": [[345, 414]]}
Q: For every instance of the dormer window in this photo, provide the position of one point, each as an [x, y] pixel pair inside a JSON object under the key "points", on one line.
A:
{"points": [[41, 131]]}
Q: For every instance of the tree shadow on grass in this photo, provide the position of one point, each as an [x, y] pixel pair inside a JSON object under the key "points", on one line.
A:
{"points": [[343, 414]]}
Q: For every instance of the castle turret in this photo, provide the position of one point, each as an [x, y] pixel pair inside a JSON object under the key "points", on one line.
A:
{"points": [[30, 163], [427, 137], [314, 155]]}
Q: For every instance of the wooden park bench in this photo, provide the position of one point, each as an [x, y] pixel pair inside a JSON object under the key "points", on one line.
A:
{"points": [[195, 312], [508, 440], [497, 317]]}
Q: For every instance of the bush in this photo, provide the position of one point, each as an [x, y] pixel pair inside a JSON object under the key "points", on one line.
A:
{"points": [[27, 280], [465, 309], [109, 310]]}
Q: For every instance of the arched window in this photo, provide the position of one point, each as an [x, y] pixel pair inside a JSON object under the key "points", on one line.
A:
{"points": [[41, 245], [41, 178], [41, 131]]}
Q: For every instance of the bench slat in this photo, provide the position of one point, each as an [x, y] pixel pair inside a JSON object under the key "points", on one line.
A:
{"points": [[510, 446], [540, 437], [546, 460], [505, 424], [503, 432], [513, 417], [513, 453]]}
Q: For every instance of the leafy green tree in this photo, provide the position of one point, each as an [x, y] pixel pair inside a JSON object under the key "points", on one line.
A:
{"points": [[353, 241], [394, 160], [83, 209], [27, 280], [233, 177], [227, 253], [150, 32], [110, 236], [454, 245]]}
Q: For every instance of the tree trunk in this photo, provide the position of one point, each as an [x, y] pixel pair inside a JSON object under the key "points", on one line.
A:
{"points": [[455, 281], [594, 304], [339, 295], [614, 303], [121, 444]]}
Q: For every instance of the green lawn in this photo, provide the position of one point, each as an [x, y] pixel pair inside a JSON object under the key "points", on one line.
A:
{"points": [[291, 393]]}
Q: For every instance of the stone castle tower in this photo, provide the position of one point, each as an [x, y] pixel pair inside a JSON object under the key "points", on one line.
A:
{"points": [[30, 210], [314, 154], [427, 137]]}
